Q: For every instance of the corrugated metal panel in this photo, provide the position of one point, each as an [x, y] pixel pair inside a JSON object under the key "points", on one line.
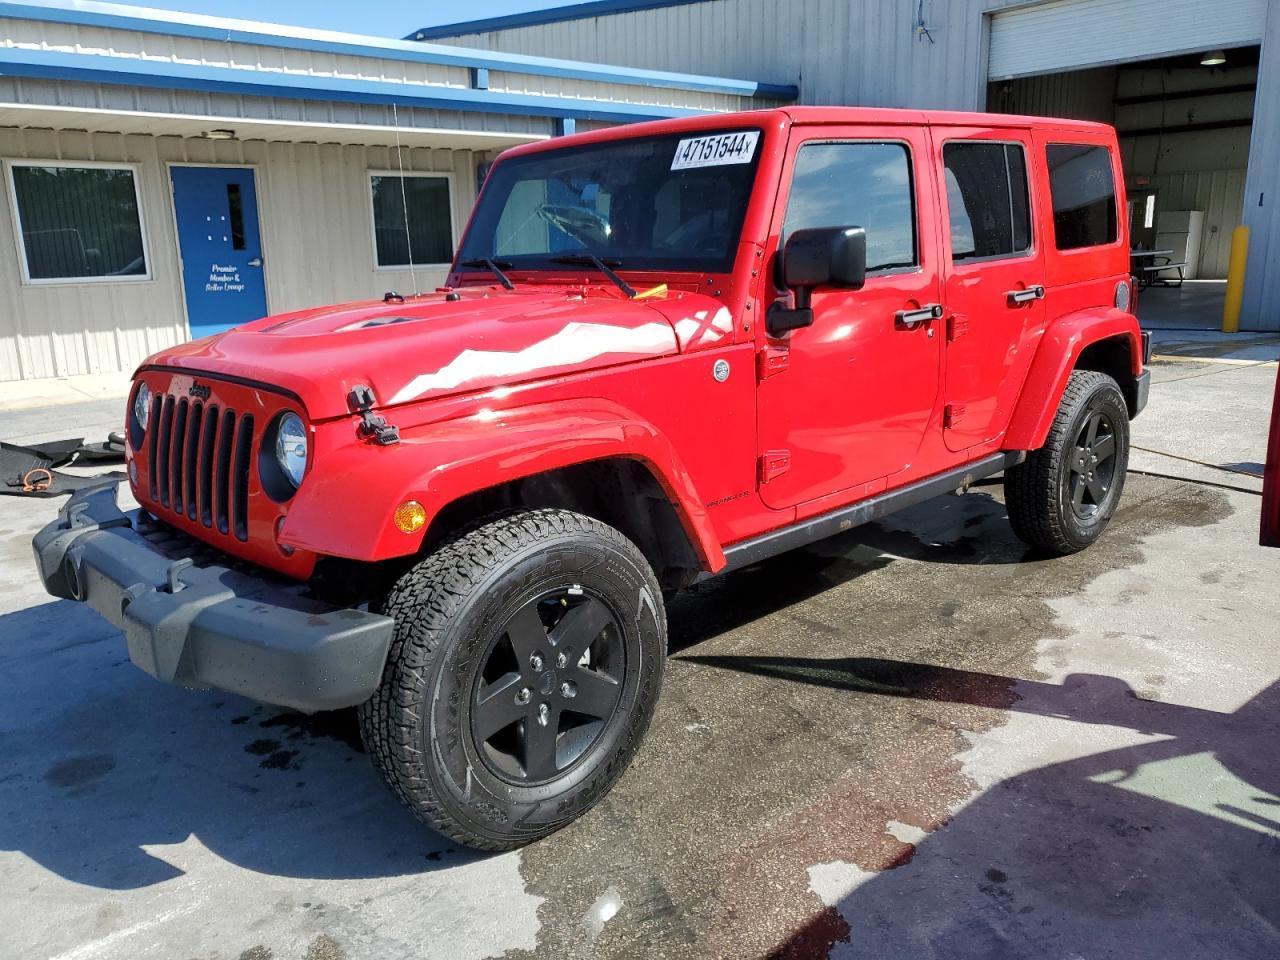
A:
{"points": [[867, 53], [258, 59], [315, 214], [1071, 34], [1220, 194], [1261, 309]]}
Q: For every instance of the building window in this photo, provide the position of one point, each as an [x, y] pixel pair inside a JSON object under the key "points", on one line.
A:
{"points": [[1084, 196], [864, 185], [990, 209], [428, 238], [78, 222]]}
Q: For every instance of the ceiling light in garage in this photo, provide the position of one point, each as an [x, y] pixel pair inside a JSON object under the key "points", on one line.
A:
{"points": [[1213, 58], [219, 134]]}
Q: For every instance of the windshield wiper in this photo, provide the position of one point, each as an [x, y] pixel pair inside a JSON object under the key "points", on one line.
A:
{"points": [[493, 266], [585, 259]]}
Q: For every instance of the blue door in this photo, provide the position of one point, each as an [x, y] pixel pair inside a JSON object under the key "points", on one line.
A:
{"points": [[221, 249]]}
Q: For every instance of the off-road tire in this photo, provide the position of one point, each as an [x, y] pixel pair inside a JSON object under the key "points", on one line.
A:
{"points": [[1039, 491], [447, 608]]}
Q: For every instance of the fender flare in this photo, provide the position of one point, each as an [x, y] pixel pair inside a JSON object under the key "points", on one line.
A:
{"points": [[346, 508], [1055, 359]]}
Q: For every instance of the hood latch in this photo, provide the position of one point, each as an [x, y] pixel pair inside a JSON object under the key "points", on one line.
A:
{"points": [[372, 427]]}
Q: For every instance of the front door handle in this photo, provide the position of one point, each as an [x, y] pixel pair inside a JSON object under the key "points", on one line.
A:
{"points": [[1027, 295], [255, 262], [910, 319]]}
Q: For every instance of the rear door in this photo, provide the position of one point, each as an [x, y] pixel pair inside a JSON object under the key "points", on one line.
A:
{"points": [[846, 402], [994, 286], [1271, 479]]}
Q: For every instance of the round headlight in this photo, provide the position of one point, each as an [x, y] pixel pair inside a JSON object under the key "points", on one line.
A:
{"points": [[291, 447], [142, 406]]}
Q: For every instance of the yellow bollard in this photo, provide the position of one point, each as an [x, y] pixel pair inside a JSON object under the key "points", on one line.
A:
{"points": [[1235, 279]]}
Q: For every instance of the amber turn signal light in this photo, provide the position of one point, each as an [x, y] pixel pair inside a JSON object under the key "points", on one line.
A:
{"points": [[410, 517]]}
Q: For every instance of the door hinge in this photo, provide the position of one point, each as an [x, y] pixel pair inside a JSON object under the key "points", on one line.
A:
{"points": [[957, 326], [952, 414], [774, 463], [772, 360]]}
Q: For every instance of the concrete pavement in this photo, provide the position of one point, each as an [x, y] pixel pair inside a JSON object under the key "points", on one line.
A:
{"points": [[915, 740]]}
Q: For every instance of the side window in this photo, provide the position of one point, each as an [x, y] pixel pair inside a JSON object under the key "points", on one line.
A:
{"points": [[864, 185], [1084, 195], [988, 200]]}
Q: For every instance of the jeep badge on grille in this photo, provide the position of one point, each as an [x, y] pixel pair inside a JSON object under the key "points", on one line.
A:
{"points": [[200, 391]]}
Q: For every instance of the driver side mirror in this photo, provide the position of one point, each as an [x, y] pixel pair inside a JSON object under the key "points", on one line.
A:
{"points": [[820, 257]]}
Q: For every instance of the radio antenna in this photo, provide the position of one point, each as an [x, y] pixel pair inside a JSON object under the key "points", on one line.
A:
{"points": [[404, 200]]}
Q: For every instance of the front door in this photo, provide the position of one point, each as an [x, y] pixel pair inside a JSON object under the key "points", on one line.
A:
{"points": [[994, 279], [846, 402], [221, 249]]}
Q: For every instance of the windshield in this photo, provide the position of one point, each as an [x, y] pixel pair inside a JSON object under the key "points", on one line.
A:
{"points": [[664, 203]]}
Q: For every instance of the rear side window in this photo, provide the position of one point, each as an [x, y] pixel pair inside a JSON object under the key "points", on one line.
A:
{"points": [[1084, 195], [987, 196], [864, 185]]}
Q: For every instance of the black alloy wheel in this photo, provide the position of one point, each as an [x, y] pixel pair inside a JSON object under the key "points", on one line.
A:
{"points": [[1092, 465], [550, 683]]}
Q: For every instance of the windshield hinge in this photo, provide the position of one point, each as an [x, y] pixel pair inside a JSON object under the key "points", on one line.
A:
{"points": [[372, 426]]}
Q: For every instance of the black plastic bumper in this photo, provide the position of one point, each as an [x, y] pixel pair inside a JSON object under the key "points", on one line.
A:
{"points": [[209, 626], [1142, 389]]}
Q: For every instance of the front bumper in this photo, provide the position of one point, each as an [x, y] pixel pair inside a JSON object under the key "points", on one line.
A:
{"points": [[208, 625]]}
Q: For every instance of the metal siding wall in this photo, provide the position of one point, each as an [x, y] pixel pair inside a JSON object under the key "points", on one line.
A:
{"points": [[865, 53], [59, 330], [1220, 194], [1261, 310], [314, 209], [91, 41]]}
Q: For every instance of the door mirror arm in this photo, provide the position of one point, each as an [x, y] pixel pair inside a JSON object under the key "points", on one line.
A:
{"points": [[819, 257]]}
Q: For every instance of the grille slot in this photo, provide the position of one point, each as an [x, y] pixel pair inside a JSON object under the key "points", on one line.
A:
{"points": [[200, 458], [240, 498]]}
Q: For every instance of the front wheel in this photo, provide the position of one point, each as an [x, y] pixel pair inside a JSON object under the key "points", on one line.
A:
{"points": [[1063, 496], [526, 661]]}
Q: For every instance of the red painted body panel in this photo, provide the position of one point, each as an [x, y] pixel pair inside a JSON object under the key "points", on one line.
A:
{"points": [[488, 385], [1271, 479]]}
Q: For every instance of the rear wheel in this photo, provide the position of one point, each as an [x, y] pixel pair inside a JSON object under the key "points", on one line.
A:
{"points": [[1063, 496], [527, 658]]}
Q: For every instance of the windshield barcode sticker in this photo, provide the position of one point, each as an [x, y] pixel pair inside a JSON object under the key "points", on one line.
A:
{"points": [[716, 150]]}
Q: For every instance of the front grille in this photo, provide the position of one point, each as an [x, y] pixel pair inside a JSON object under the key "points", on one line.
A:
{"points": [[199, 461]]}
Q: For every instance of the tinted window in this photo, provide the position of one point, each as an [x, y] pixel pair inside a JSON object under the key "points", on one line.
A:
{"points": [[988, 201], [667, 203], [864, 185], [429, 235], [1084, 196], [79, 222]]}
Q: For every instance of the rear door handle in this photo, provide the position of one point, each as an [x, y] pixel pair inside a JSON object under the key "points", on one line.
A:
{"points": [[910, 319], [1027, 295]]}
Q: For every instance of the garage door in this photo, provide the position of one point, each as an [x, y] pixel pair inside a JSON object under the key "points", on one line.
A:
{"points": [[1071, 34]]}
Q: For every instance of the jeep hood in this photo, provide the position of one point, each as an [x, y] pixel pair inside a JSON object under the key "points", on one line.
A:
{"points": [[432, 346]]}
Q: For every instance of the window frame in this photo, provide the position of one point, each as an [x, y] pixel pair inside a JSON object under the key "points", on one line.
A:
{"points": [[1032, 250], [913, 182], [1116, 195], [16, 216], [450, 180]]}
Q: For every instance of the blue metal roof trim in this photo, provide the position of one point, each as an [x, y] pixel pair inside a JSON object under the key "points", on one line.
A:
{"points": [[197, 26], [130, 71], [537, 18]]}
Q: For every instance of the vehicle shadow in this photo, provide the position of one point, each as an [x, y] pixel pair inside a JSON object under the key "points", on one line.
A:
{"points": [[1167, 848], [968, 529], [100, 765]]}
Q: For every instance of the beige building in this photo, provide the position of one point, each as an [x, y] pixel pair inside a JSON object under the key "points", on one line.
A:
{"points": [[168, 175]]}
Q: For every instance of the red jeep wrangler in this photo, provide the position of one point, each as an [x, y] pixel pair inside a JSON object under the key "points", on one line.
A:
{"points": [[665, 351]]}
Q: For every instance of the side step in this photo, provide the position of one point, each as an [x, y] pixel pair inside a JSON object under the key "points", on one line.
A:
{"points": [[846, 518]]}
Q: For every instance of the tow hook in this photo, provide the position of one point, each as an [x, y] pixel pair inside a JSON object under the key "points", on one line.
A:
{"points": [[372, 426]]}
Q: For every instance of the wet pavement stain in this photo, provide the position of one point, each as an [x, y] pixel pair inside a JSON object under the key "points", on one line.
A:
{"points": [[77, 772], [777, 746], [342, 726]]}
